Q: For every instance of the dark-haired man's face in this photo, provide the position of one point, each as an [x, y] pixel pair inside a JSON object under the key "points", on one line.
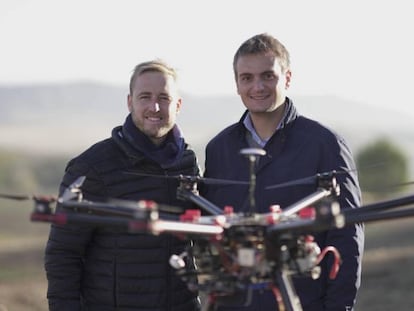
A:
{"points": [[261, 82]]}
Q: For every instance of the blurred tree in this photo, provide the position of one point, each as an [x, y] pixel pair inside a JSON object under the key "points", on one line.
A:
{"points": [[383, 168]]}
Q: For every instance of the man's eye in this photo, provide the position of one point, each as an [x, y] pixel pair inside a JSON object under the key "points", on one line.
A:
{"points": [[245, 78], [164, 99], [143, 97]]}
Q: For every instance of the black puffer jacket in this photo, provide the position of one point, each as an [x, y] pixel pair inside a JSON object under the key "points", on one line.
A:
{"points": [[102, 268]]}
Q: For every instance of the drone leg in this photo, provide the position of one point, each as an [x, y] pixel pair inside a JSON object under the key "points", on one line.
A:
{"points": [[279, 300], [289, 298], [209, 304]]}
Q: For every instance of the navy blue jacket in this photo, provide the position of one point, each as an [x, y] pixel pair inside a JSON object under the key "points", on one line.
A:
{"points": [[103, 268], [299, 148]]}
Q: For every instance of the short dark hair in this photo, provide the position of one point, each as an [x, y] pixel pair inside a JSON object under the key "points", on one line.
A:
{"points": [[263, 43]]}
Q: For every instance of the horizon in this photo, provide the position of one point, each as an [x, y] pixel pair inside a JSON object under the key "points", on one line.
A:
{"points": [[33, 119]]}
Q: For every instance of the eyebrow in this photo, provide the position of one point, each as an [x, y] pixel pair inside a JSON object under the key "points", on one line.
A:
{"points": [[261, 73], [144, 93]]}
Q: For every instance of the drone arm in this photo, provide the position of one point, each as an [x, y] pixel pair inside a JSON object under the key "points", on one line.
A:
{"points": [[206, 205], [383, 205], [319, 194], [99, 208], [79, 219], [359, 216], [161, 226]]}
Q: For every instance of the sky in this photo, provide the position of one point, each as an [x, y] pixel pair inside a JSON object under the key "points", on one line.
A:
{"points": [[361, 50]]}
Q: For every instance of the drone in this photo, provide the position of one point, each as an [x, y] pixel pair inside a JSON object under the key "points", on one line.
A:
{"points": [[236, 253]]}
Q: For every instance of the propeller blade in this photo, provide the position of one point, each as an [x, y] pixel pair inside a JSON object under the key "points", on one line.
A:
{"points": [[213, 181], [193, 179], [38, 198], [78, 182], [307, 180], [302, 181], [180, 177], [16, 197], [73, 190]]}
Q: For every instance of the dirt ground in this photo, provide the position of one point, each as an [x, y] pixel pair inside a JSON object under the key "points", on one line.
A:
{"points": [[387, 279]]}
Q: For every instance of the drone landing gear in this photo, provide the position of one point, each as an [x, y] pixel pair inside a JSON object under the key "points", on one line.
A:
{"points": [[285, 293]]}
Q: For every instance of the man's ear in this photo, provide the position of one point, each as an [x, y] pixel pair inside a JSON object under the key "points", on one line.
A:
{"points": [[178, 105], [288, 76], [129, 101], [237, 87]]}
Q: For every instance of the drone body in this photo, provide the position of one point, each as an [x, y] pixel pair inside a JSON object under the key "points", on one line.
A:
{"points": [[235, 252]]}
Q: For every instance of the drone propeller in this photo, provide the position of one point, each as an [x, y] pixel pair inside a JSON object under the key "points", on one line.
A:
{"points": [[193, 178], [23, 197], [302, 181], [68, 194], [16, 197], [73, 191], [310, 180]]}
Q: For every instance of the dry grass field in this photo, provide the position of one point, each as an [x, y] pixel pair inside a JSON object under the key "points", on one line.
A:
{"points": [[388, 266], [22, 280]]}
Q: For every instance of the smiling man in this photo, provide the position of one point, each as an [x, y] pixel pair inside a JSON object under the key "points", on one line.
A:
{"points": [[296, 147], [106, 268]]}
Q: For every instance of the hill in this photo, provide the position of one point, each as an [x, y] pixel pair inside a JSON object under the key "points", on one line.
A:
{"points": [[66, 118]]}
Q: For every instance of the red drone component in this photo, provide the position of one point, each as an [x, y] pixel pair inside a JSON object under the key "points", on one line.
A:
{"points": [[271, 219], [307, 212], [336, 263], [228, 210], [191, 215], [148, 204]]}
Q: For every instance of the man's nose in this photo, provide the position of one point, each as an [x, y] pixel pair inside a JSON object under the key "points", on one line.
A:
{"points": [[155, 107], [258, 84]]}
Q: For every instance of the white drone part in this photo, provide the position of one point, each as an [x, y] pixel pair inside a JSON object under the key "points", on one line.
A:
{"points": [[177, 261], [246, 257], [253, 152]]}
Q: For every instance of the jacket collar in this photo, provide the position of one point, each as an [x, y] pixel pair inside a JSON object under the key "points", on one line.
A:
{"points": [[290, 115], [137, 146]]}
